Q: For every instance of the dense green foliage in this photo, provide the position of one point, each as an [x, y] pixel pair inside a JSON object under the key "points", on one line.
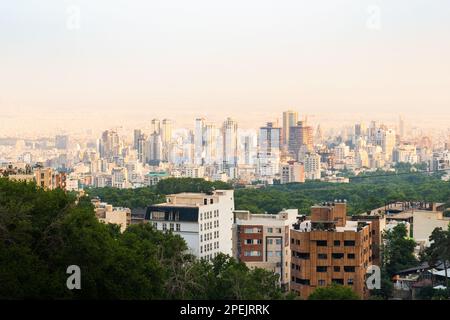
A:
{"points": [[333, 292], [398, 250], [177, 185], [429, 293], [44, 232], [362, 193], [129, 198], [142, 197], [439, 251]]}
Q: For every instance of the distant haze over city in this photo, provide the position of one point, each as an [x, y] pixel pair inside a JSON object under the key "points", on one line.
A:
{"points": [[70, 65]]}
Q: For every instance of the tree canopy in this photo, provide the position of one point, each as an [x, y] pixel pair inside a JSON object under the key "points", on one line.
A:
{"points": [[398, 250], [333, 292], [44, 232]]}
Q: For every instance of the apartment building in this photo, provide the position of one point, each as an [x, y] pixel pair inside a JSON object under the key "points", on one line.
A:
{"points": [[423, 216], [262, 240], [49, 179], [326, 249], [106, 213], [292, 172], [378, 225], [203, 220]]}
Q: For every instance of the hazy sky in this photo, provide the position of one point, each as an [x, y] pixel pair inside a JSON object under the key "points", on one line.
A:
{"points": [[250, 59]]}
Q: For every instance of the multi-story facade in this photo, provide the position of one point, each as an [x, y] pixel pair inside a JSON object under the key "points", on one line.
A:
{"points": [[312, 166], [199, 144], [290, 119], [203, 220], [329, 249], [269, 143], [292, 172], [49, 179], [262, 240], [405, 153], [230, 143], [300, 136], [106, 213]]}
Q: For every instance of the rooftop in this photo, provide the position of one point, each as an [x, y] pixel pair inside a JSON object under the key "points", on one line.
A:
{"points": [[405, 208]]}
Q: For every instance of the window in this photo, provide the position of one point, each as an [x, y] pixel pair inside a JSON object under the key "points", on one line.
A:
{"points": [[155, 225], [301, 255], [278, 241], [156, 215], [337, 255], [321, 243], [322, 283], [164, 226], [269, 241], [349, 243], [350, 281], [269, 230], [338, 281], [178, 227], [292, 240], [351, 256], [252, 253], [337, 243], [201, 238], [278, 230], [336, 269], [349, 269], [278, 253], [270, 253], [251, 230], [302, 281], [205, 201], [322, 256], [321, 269], [201, 216], [171, 227]]}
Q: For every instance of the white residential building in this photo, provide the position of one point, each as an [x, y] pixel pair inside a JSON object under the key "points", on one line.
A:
{"points": [[312, 166], [203, 220]]}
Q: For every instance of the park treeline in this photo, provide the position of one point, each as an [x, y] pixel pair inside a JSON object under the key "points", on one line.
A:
{"points": [[42, 233], [363, 193]]}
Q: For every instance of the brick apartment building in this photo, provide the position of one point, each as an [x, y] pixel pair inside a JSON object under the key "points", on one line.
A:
{"points": [[329, 249]]}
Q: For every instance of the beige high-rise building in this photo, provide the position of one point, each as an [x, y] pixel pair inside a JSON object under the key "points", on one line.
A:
{"points": [[166, 138], [290, 119], [166, 131], [155, 126], [292, 172], [230, 143]]}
